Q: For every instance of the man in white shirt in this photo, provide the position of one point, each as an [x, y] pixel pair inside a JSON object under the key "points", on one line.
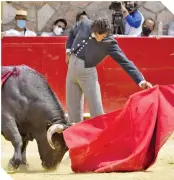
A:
{"points": [[133, 18], [20, 29], [58, 28]]}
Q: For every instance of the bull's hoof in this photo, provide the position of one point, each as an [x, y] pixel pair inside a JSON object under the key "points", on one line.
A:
{"points": [[24, 167], [10, 168]]}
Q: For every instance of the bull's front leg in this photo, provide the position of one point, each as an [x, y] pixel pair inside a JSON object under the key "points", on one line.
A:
{"points": [[24, 164], [11, 133]]}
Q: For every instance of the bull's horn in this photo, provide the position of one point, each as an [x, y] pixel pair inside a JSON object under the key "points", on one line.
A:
{"points": [[53, 129]]}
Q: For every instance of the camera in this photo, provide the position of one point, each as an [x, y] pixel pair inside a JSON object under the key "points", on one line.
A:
{"points": [[115, 6], [117, 18], [131, 7]]}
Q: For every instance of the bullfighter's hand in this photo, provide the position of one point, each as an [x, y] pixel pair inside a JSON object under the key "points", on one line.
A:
{"points": [[67, 58], [146, 85]]}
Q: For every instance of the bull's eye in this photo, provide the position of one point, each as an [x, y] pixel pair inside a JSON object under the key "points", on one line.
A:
{"points": [[47, 124]]}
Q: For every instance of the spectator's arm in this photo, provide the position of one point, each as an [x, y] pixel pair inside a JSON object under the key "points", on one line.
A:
{"points": [[134, 21]]}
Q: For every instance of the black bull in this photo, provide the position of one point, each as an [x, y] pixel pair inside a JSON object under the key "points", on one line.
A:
{"points": [[30, 110]]}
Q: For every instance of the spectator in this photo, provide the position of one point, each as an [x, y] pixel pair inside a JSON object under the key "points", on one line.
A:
{"points": [[58, 28], [20, 29], [171, 29], [133, 18], [81, 15], [74, 30], [148, 27]]}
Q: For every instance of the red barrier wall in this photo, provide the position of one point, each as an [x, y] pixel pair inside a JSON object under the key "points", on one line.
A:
{"points": [[154, 57]]}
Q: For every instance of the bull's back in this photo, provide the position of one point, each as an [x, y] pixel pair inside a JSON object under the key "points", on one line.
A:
{"points": [[28, 96], [26, 79], [21, 91]]}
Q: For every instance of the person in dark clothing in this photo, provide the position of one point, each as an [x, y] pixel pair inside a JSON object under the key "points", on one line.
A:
{"points": [[74, 30], [148, 27], [81, 15]]}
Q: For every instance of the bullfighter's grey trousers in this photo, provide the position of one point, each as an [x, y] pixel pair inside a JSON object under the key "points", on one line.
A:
{"points": [[82, 81]]}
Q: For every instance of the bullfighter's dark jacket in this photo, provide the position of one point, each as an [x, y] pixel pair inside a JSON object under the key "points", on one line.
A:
{"points": [[85, 47]]}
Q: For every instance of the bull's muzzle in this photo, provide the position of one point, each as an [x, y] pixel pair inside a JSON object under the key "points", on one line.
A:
{"points": [[55, 128]]}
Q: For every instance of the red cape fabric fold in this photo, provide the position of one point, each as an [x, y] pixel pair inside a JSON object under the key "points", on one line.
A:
{"points": [[128, 139]]}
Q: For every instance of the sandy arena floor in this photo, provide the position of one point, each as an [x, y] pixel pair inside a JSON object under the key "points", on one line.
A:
{"points": [[163, 169]]}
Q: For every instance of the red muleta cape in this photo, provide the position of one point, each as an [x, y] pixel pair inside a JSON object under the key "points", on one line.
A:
{"points": [[128, 139]]}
